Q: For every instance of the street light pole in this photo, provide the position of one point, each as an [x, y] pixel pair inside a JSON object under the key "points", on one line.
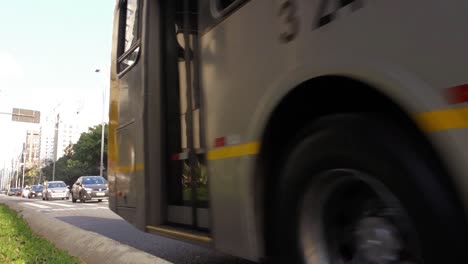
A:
{"points": [[101, 164], [17, 172], [24, 165], [55, 145], [102, 149]]}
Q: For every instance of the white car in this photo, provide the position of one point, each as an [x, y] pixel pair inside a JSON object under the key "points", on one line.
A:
{"points": [[55, 190], [25, 192]]}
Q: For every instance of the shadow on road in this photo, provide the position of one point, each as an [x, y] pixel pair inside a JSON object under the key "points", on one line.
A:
{"points": [[166, 248]]}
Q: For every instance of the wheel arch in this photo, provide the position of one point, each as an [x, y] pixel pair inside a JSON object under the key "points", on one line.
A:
{"points": [[311, 99]]}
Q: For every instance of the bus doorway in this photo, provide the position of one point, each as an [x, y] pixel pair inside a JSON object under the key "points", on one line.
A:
{"points": [[185, 175]]}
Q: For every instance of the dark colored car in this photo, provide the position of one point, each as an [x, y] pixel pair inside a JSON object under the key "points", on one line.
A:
{"points": [[13, 191], [18, 192], [89, 188], [36, 191]]}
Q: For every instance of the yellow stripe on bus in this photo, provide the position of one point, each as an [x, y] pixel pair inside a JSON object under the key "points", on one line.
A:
{"points": [[175, 233], [429, 121], [251, 148], [443, 119], [125, 169]]}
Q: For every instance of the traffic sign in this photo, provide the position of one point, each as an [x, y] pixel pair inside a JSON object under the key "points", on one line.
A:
{"points": [[25, 115]]}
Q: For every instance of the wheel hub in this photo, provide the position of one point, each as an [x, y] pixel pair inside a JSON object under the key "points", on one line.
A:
{"points": [[377, 240], [350, 218]]}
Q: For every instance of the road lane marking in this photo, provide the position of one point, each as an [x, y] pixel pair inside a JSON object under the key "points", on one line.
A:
{"points": [[70, 209], [38, 205], [61, 204]]}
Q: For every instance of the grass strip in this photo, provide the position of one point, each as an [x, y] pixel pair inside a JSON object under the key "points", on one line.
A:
{"points": [[19, 244]]}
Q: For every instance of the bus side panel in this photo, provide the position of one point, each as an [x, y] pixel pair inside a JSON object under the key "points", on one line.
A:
{"points": [[238, 61], [126, 147], [112, 147], [410, 51]]}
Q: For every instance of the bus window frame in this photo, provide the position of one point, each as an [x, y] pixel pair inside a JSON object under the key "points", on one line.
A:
{"points": [[218, 16], [121, 53], [218, 13]]}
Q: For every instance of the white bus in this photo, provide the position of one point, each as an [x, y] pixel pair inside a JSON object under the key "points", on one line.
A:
{"points": [[324, 131]]}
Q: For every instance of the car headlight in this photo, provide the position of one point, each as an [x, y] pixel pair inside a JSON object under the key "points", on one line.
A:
{"points": [[88, 189]]}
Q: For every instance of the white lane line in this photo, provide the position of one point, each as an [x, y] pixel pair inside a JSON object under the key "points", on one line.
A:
{"points": [[47, 203], [70, 209], [61, 204], [38, 205], [89, 204]]}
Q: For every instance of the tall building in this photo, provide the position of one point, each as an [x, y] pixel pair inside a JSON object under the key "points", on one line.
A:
{"points": [[68, 133], [31, 148], [59, 129], [47, 138]]}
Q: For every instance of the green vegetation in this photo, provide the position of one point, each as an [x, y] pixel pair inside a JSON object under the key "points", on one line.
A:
{"points": [[18, 244], [80, 159]]}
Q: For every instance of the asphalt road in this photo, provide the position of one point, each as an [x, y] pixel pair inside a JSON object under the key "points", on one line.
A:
{"points": [[97, 217]]}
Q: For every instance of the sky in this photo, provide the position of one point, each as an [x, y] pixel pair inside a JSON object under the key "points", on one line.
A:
{"points": [[49, 51]]}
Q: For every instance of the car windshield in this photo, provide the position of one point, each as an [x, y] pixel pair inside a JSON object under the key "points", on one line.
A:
{"points": [[94, 180], [37, 188], [56, 184]]}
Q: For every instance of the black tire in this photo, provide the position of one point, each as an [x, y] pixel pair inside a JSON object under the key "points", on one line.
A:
{"points": [[99, 200], [391, 156], [82, 197]]}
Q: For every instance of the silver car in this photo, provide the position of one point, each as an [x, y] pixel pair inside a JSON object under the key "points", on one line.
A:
{"points": [[55, 190]]}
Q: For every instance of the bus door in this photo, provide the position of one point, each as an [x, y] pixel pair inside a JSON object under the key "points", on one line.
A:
{"points": [[185, 171]]}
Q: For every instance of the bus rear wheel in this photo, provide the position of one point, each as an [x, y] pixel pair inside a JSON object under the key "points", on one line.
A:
{"points": [[357, 189]]}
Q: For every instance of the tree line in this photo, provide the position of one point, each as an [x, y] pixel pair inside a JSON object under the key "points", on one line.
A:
{"points": [[82, 158]]}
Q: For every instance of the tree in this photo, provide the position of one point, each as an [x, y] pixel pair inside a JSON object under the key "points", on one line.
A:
{"points": [[30, 175], [80, 159], [88, 148]]}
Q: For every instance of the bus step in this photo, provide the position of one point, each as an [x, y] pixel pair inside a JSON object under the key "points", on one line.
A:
{"points": [[180, 233]]}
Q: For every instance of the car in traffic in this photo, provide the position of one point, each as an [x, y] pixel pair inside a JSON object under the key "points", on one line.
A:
{"points": [[36, 191], [25, 192], [55, 190], [90, 188], [18, 191], [13, 192]]}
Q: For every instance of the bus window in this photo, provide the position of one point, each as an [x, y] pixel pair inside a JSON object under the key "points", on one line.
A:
{"points": [[128, 34]]}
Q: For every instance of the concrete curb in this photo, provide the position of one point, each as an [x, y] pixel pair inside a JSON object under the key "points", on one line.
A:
{"points": [[86, 245]]}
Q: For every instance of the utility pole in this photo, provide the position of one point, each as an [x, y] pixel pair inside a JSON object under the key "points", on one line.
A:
{"points": [[24, 165], [101, 164], [2, 181], [40, 172], [17, 172], [55, 145]]}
